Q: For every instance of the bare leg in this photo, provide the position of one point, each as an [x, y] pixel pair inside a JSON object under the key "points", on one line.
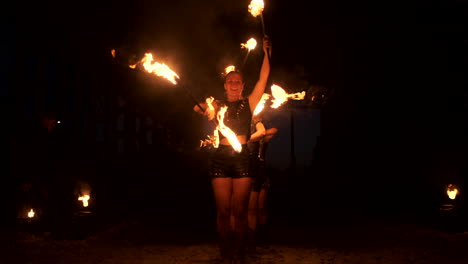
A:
{"points": [[262, 223], [252, 222], [240, 203], [253, 210], [262, 208], [222, 189]]}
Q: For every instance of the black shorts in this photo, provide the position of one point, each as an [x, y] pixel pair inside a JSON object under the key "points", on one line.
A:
{"points": [[226, 162]]}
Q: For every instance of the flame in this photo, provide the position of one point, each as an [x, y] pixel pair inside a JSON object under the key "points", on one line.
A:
{"points": [[212, 139], [85, 199], [229, 69], [452, 191], [261, 104], [452, 194], [31, 213], [256, 7], [250, 44], [113, 53], [159, 69], [221, 128], [280, 96], [226, 131]]}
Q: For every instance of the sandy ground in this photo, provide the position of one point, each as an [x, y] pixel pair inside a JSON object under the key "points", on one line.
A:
{"points": [[320, 240]]}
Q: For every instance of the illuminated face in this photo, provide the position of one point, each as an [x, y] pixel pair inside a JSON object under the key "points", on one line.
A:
{"points": [[234, 84]]}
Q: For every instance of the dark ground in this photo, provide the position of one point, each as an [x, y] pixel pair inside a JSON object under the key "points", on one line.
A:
{"points": [[150, 210]]}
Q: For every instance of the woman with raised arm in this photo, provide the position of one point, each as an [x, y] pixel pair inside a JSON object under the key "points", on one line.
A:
{"points": [[229, 168]]}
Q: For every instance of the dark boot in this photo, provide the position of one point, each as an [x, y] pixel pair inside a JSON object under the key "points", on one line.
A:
{"points": [[225, 248], [251, 242], [239, 249], [262, 235]]}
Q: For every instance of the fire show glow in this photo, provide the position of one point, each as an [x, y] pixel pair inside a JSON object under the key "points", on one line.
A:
{"points": [[31, 213], [280, 96], [226, 131], [113, 53], [85, 198], [261, 104], [229, 69], [220, 128], [250, 44], [159, 69], [256, 7], [452, 191]]}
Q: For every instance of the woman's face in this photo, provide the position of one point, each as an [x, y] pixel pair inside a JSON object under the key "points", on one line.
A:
{"points": [[234, 84]]}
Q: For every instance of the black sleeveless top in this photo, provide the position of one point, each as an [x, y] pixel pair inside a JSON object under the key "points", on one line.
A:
{"points": [[238, 117]]}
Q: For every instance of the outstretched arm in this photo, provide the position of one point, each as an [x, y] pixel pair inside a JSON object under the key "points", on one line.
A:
{"points": [[259, 132], [260, 86]]}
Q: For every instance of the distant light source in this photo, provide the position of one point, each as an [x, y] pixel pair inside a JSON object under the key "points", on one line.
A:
{"points": [[452, 191], [58, 121], [31, 213], [84, 199]]}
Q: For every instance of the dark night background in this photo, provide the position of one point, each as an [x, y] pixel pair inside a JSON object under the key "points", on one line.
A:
{"points": [[392, 128]]}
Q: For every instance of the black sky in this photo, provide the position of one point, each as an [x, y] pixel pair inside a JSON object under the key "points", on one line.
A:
{"points": [[397, 69]]}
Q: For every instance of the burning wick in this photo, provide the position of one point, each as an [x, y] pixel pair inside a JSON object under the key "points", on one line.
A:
{"points": [[452, 191], [250, 44], [256, 7], [229, 69], [85, 199], [31, 213]]}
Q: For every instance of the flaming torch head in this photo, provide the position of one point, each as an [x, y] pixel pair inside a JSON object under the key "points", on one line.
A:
{"points": [[84, 199], [250, 44], [261, 104], [159, 69], [256, 7], [229, 69]]}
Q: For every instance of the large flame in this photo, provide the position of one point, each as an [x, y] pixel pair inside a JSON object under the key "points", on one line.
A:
{"points": [[221, 128], [159, 69], [256, 7], [84, 199], [250, 44], [261, 104], [226, 131], [280, 96]]}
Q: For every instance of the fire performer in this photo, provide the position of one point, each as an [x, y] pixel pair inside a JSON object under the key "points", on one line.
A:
{"points": [[257, 214], [229, 169]]}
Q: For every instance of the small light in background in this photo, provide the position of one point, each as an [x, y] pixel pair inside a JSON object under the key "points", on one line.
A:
{"points": [[452, 191], [31, 213]]}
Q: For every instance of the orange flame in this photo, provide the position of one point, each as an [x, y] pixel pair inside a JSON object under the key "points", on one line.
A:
{"points": [[221, 128], [452, 191], [256, 7], [280, 96], [226, 131], [229, 69], [159, 69], [250, 44], [84, 199], [261, 104], [113, 53]]}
